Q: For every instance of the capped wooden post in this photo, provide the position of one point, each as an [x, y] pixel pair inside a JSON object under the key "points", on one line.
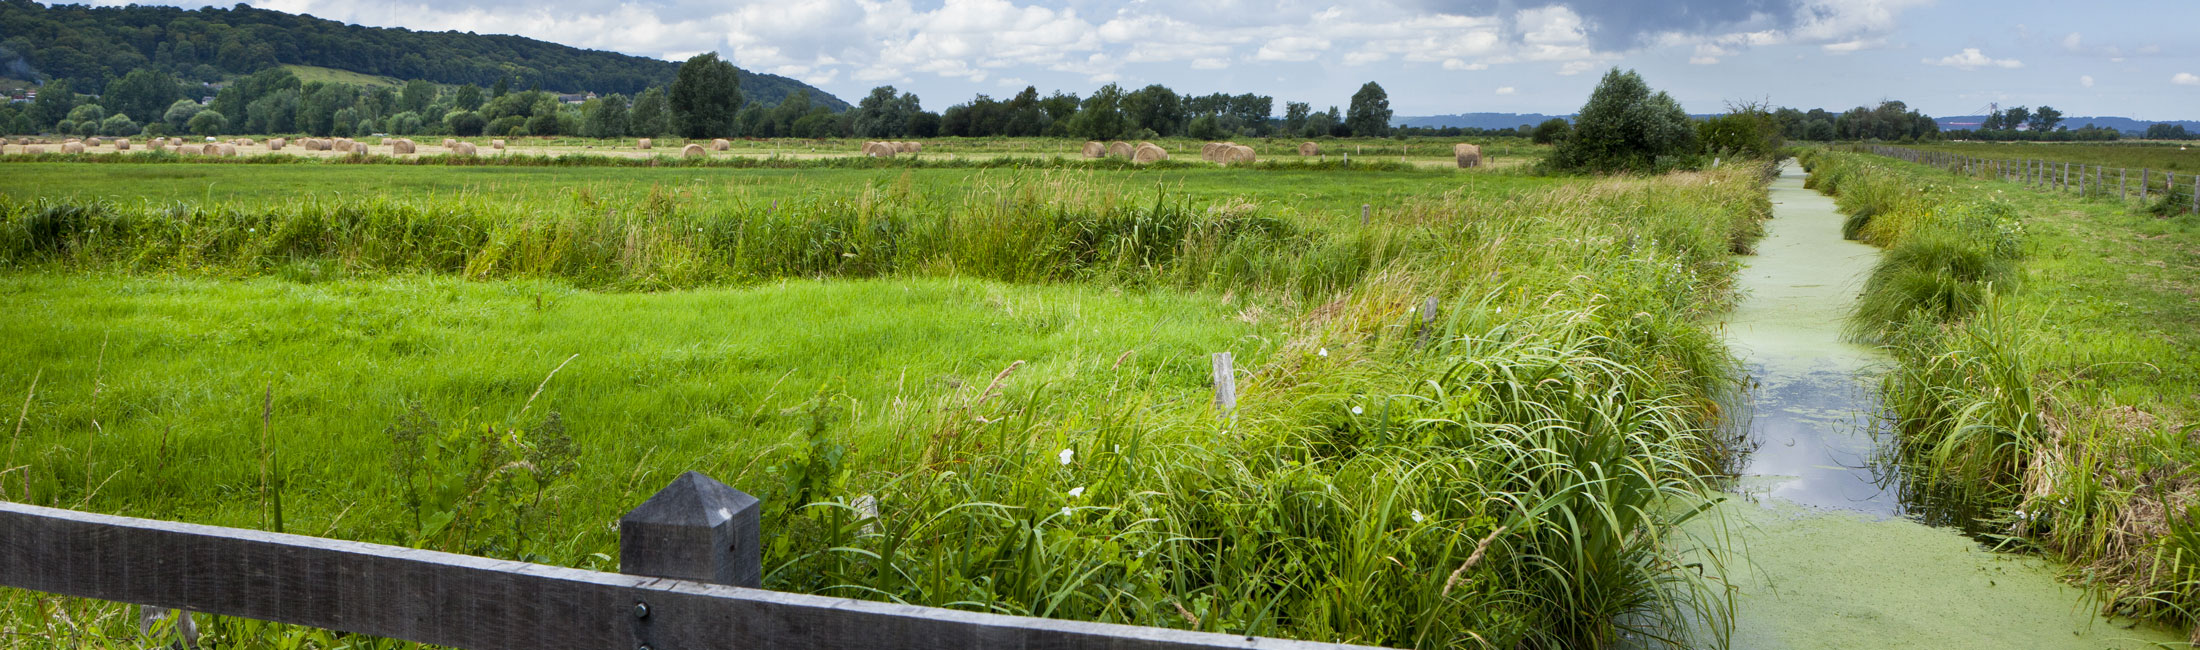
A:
{"points": [[1225, 385], [695, 529]]}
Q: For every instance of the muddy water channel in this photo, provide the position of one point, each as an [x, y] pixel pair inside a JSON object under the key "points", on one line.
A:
{"points": [[1826, 553]]}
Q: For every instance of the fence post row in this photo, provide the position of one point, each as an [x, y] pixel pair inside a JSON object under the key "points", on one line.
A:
{"points": [[686, 552]]}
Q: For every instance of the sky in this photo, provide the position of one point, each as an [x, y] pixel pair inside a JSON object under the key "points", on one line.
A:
{"points": [[2132, 59]]}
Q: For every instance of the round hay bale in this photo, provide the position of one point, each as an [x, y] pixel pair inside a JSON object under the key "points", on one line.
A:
{"points": [[32, 149], [496, 144], [94, 142], [1147, 152], [879, 149], [915, 147], [462, 149], [360, 148], [243, 142], [1238, 155], [401, 146], [449, 143], [72, 147], [1119, 149], [1309, 149], [1207, 151], [643, 144], [275, 144], [1467, 154], [721, 144], [693, 151], [122, 144], [1095, 149], [226, 150]]}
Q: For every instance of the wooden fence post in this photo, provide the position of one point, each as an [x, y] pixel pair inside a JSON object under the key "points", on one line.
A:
{"points": [[1428, 320], [1225, 384], [695, 529], [2123, 184], [1363, 214], [2145, 178]]}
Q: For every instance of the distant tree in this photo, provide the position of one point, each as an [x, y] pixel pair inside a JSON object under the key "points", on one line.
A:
{"points": [[1551, 131], [1369, 115], [465, 123], [1100, 117], [1205, 127], [1820, 130], [2160, 131], [884, 113], [405, 123], [1745, 131], [208, 122], [178, 115], [2015, 117], [1294, 117], [651, 116], [502, 87], [604, 117], [53, 104], [83, 113], [467, 98], [705, 97], [1023, 116], [118, 124], [924, 125], [2045, 119], [417, 96], [143, 91], [1625, 127], [275, 113], [1155, 108], [1992, 122]]}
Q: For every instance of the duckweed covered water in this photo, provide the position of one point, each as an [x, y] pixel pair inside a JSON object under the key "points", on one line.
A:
{"points": [[1826, 553]]}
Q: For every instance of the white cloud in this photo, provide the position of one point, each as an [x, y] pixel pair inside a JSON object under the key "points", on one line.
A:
{"points": [[2185, 79], [1456, 64], [1708, 54], [2073, 42], [1971, 59], [1507, 90], [1576, 67], [1845, 47], [1291, 48], [2085, 80]]}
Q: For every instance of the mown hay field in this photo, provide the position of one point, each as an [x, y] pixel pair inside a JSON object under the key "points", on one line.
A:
{"points": [[1012, 364]]}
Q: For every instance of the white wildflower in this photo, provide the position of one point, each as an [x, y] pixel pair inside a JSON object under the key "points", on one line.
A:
{"points": [[1356, 410], [1077, 492], [1418, 518], [1065, 511], [1067, 454], [1322, 352]]}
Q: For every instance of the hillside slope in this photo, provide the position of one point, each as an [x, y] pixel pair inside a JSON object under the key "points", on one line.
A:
{"points": [[89, 45]]}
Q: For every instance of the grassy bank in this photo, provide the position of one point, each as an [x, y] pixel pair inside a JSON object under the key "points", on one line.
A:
{"points": [[2046, 376], [1018, 385], [2180, 157], [1312, 196]]}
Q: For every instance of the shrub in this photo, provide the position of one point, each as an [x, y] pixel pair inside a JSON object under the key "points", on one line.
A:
{"points": [[1626, 128]]}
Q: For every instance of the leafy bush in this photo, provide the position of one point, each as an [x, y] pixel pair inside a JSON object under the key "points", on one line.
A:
{"points": [[1626, 128]]}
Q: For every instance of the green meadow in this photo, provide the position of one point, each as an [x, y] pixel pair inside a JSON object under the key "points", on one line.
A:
{"points": [[1012, 364]]}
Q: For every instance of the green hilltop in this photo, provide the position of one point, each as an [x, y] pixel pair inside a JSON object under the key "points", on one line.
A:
{"points": [[90, 46]]}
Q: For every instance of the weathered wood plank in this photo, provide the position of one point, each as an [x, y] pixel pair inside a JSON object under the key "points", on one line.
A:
{"points": [[486, 604]]}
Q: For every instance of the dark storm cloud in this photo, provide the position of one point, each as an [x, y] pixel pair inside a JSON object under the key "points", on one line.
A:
{"points": [[1616, 25]]}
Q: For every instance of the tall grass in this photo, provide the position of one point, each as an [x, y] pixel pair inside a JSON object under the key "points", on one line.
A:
{"points": [[1515, 478], [2044, 420]]}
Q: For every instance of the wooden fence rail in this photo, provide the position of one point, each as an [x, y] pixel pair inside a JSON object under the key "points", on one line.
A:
{"points": [[674, 547], [2082, 179]]}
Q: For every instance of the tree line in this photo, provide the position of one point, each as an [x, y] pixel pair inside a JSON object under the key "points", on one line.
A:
{"points": [[706, 98], [91, 47]]}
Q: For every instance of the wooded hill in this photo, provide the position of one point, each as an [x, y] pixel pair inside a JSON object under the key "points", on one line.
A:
{"points": [[90, 46]]}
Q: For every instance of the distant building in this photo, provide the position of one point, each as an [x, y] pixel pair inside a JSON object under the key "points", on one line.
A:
{"points": [[576, 99]]}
